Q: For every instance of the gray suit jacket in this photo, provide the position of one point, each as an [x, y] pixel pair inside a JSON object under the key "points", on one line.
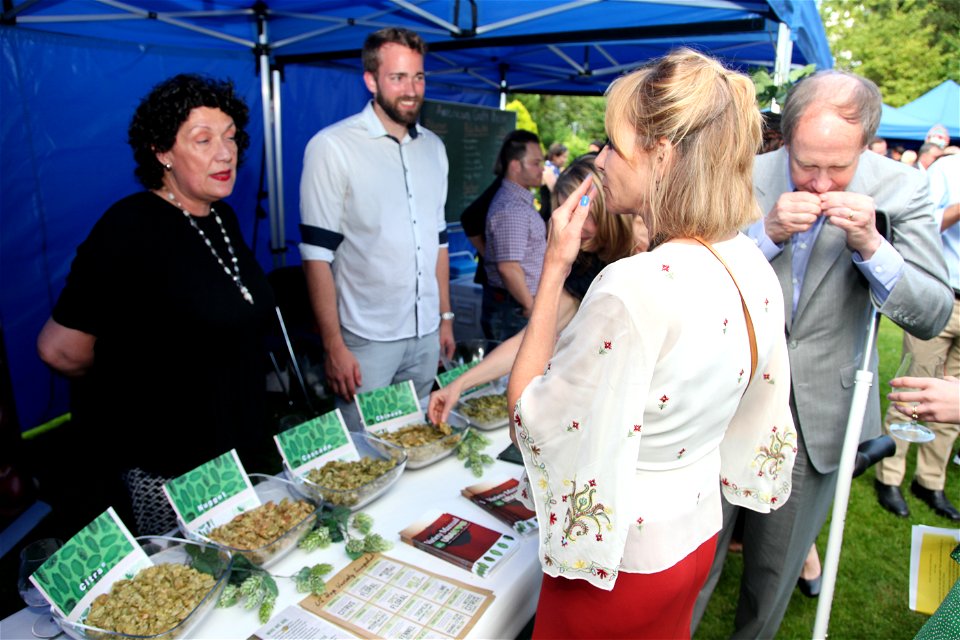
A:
{"points": [[826, 334]]}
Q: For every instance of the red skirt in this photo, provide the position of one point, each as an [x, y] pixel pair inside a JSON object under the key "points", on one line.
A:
{"points": [[641, 605]]}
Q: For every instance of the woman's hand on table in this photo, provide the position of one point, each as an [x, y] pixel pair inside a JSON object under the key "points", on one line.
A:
{"points": [[442, 401]]}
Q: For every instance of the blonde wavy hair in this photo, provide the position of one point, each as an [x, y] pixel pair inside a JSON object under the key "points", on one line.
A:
{"points": [[710, 116], [614, 237]]}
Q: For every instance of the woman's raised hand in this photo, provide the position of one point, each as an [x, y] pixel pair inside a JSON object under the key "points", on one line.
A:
{"points": [[563, 238]]}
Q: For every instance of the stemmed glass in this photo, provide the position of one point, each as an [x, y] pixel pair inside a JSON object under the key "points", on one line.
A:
{"points": [[32, 556], [910, 430]]}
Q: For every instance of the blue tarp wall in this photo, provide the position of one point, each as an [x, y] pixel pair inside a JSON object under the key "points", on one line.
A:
{"points": [[65, 105]]}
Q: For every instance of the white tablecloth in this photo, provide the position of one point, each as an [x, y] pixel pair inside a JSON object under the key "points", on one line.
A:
{"points": [[516, 584]]}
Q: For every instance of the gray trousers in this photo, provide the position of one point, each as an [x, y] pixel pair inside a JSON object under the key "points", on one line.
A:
{"points": [[774, 548], [386, 363]]}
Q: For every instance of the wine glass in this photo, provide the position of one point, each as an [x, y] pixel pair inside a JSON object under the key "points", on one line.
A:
{"points": [[32, 556], [909, 430]]}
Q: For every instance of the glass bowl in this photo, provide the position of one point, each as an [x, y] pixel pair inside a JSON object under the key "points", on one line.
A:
{"points": [[215, 560], [429, 452], [468, 351], [271, 488], [466, 407], [357, 497]]}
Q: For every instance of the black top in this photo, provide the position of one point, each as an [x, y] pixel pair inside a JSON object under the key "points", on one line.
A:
{"points": [[178, 374], [474, 222], [582, 273]]}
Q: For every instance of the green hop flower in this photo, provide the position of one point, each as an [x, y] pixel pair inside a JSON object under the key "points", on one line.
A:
{"points": [[229, 596], [266, 607], [374, 543], [355, 549], [317, 539], [363, 523]]}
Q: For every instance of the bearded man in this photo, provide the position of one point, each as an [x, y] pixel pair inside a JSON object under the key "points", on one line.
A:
{"points": [[374, 236]]}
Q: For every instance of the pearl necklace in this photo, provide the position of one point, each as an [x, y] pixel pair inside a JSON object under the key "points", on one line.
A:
{"points": [[235, 273]]}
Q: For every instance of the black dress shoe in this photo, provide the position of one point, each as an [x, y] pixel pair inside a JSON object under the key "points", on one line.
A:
{"points": [[936, 500], [809, 588], [891, 499]]}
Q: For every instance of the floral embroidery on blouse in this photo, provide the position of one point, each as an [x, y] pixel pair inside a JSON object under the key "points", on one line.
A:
{"points": [[607, 346], [766, 304], [771, 457], [725, 323], [635, 431], [681, 452], [574, 426], [663, 401], [639, 524], [768, 378], [583, 511], [666, 269], [740, 377], [579, 515]]}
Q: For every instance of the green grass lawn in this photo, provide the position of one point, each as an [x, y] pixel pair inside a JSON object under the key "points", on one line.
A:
{"points": [[871, 597]]}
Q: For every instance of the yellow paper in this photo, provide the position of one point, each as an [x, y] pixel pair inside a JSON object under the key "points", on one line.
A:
{"points": [[932, 571]]}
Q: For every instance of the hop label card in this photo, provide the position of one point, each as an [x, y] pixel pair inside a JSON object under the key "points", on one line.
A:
{"points": [[313, 443], [88, 564], [212, 494], [389, 407], [446, 377]]}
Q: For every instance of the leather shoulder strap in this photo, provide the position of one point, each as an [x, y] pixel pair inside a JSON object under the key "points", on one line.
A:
{"points": [[746, 312]]}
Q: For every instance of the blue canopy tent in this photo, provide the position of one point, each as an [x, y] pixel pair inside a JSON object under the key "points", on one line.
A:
{"points": [[896, 124], [72, 73], [940, 105]]}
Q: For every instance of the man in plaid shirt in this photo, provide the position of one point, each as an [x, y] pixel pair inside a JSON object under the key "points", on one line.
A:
{"points": [[515, 238]]}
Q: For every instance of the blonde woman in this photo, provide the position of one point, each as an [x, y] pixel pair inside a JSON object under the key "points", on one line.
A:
{"points": [[671, 381]]}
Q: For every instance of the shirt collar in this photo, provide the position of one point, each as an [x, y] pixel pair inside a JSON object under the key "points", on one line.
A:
{"points": [[522, 192], [376, 129]]}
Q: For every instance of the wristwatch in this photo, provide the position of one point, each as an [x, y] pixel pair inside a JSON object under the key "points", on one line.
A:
{"points": [[447, 315]]}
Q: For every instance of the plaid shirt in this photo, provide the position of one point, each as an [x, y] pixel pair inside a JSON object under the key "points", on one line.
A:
{"points": [[515, 232]]}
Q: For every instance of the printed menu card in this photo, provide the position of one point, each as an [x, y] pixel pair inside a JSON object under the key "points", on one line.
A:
{"points": [[380, 597]]}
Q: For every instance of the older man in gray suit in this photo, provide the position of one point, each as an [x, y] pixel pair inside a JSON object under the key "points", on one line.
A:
{"points": [[821, 195]]}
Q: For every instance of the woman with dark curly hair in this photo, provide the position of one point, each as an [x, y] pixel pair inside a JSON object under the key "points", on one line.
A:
{"points": [[164, 310]]}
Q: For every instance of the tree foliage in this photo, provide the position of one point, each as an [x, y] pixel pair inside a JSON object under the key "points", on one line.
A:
{"points": [[574, 121], [907, 47], [524, 119], [767, 91]]}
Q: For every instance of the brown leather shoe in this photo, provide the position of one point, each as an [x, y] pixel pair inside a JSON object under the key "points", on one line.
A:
{"points": [[891, 499], [936, 500]]}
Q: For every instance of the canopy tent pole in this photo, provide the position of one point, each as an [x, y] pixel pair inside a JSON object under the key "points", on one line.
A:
{"points": [[503, 86], [269, 157], [781, 64], [280, 241]]}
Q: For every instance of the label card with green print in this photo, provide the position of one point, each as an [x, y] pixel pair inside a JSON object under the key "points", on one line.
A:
{"points": [[389, 407], [88, 564], [313, 443], [212, 494], [445, 378]]}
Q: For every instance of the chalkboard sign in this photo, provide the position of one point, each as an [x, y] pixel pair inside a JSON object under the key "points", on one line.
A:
{"points": [[472, 136]]}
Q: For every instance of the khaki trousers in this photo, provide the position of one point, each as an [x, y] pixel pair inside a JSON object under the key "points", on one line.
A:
{"points": [[932, 457]]}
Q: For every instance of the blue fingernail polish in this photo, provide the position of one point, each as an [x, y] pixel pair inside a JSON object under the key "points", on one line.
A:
{"points": [[584, 201]]}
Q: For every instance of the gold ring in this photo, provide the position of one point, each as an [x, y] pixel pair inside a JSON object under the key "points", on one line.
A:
{"points": [[916, 408], [850, 216]]}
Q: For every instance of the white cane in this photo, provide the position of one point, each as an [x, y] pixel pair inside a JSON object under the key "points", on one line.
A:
{"points": [[858, 407]]}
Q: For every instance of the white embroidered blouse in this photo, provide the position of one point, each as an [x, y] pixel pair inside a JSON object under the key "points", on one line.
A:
{"points": [[643, 408]]}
